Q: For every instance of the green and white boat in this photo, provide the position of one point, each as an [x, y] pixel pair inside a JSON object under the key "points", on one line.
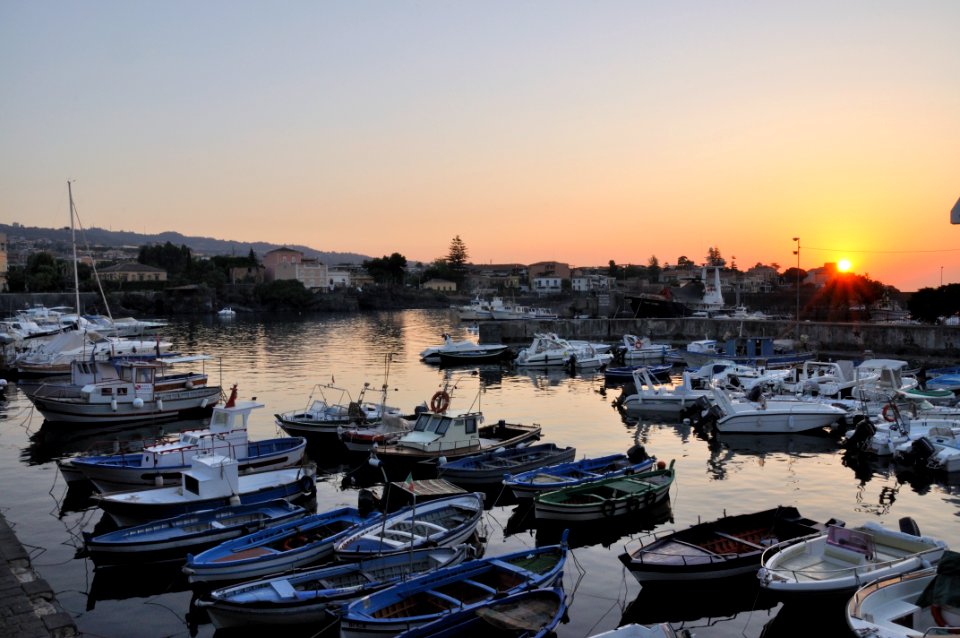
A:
{"points": [[606, 498]]}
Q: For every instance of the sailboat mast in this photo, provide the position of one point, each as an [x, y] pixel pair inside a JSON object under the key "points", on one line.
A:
{"points": [[73, 240]]}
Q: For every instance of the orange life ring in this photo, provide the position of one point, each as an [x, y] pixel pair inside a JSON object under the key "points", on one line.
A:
{"points": [[440, 402], [889, 413]]}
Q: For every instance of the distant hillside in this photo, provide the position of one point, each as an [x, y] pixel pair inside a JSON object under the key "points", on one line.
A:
{"points": [[199, 245]]}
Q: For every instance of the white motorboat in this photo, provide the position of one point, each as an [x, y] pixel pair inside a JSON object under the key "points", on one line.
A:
{"points": [[841, 559], [466, 350], [651, 396], [882, 380], [226, 313], [913, 605], [548, 350], [641, 349], [772, 416]]}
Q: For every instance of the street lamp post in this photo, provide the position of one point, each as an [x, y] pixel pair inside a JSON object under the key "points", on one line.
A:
{"points": [[797, 253]]}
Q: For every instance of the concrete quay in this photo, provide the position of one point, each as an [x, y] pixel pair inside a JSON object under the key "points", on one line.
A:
{"points": [[28, 607], [901, 341]]}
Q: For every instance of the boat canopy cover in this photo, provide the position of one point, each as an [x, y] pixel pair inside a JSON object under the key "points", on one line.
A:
{"points": [[944, 589]]}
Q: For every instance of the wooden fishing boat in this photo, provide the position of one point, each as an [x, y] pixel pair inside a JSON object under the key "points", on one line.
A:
{"points": [[839, 560], [173, 538], [721, 548], [606, 498], [212, 481], [489, 467], [102, 392], [534, 613], [466, 586], [276, 549], [437, 435], [441, 522], [318, 594], [921, 603], [554, 477]]}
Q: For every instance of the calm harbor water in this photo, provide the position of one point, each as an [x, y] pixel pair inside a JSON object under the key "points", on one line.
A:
{"points": [[279, 361]]}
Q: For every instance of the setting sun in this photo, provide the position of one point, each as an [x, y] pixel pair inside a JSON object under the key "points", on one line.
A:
{"points": [[843, 265]]}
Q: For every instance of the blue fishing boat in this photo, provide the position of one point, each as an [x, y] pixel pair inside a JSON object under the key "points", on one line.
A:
{"points": [[318, 594], [441, 522], [534, 613], [276, 549], [172, 538], [467, 586], [489, 467], [162, 463], [554, 477]]}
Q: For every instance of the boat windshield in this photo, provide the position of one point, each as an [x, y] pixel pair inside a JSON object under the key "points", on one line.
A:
{"points": [[432, 423]]}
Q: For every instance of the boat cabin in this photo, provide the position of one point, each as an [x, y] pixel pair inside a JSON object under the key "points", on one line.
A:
{"points": [[211, 476], [433, 432], [226, 435]]}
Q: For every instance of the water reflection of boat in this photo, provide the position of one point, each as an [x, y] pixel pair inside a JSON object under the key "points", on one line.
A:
{"points": [[658, 602], [797, 620], [121, 582], [607, 534], [53, 441], [795, 444]]}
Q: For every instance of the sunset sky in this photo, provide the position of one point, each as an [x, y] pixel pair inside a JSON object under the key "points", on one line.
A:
{"points": [[544, 130]]}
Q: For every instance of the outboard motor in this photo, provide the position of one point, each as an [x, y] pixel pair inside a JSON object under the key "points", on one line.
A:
{"points": [[637, 454], [755, 393], [920, 451], [862, 433], [367, 502], [909, 526]]}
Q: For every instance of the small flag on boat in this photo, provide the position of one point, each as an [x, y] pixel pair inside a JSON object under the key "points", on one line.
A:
{"points": [[408, 483]]}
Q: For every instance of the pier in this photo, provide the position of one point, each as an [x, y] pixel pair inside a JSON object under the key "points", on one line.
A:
{"points": [[28, 607]]}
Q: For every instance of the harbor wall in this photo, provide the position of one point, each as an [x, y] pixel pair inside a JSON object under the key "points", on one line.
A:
{"points": [[852, 339]]}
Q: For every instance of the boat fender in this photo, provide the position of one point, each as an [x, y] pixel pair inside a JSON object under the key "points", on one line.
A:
{"points": [[608, 508], [889, 413], [158, 480], [160, 404], [113, 404], [138, 403]]}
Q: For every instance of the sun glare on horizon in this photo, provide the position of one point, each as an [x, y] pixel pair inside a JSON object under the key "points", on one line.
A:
{"points": [[843, 265]]}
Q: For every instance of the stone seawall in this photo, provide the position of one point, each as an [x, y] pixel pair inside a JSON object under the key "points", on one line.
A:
{"points": [[894, 340]]}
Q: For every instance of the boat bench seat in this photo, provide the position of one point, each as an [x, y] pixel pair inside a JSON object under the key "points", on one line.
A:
{"points": [[283, 588], [897, 609], [838, 554]]}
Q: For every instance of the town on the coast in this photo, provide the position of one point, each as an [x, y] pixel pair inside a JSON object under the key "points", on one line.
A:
{"points": [[759, 352]]}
